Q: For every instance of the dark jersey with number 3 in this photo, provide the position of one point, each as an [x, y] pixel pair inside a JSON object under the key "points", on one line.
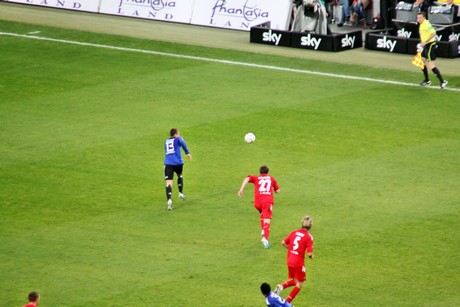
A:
{"points": [[172, 148]]}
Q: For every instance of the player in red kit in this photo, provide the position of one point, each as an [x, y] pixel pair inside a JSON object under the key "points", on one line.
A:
{"points": [[297, 243], [264, 188], [34, 298]]}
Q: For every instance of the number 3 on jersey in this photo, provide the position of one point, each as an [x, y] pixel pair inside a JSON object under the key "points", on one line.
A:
{"points": [[169, 146]]}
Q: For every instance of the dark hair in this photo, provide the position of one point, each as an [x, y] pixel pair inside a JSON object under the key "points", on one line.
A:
{"points": [[265, 289], [264, 169], [33, 296], [422, 13], [172, 132]]}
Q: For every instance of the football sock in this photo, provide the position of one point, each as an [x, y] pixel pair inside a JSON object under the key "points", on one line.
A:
{"points": [[180, 183], [289, 283], [266, 229], [437, 73], [168, 192], [262, 223], [425, 72], [293, 294]]}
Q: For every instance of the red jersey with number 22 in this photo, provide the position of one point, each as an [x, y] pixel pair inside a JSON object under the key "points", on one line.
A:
{"points": [[264, 187], [299, 241]]}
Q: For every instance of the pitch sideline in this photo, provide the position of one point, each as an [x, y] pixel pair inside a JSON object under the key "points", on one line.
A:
{"points": [[309, 72]]}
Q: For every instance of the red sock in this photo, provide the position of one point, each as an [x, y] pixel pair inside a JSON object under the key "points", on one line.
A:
{"points": [[262, 223], [289, 283], [293, 294], [266, 229]]}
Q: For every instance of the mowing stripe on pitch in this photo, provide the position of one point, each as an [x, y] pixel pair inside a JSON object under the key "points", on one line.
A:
{"points": [[301, 71]]}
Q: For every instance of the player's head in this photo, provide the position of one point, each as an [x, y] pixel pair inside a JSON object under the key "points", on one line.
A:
{"points": [[263, 169], [307, 222], [265, 289], [421, 16], [173, 132], [33, 296]]}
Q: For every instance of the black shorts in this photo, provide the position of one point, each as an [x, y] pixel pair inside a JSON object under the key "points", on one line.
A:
{"points": [[171, 169], [429, 52]]}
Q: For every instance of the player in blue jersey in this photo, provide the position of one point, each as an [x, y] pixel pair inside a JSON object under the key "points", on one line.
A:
{"points": [[271, 298], [174, 163]]}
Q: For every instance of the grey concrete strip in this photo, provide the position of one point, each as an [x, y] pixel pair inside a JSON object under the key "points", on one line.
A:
{"points": [[204, 36]]}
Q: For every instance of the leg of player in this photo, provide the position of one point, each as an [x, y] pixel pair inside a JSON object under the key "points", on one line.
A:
{"points": [[169, 176], [261, 218], [266, 217], [266, 228], [287, 284], [266, 232], [436, 71], [295, 291], [180, 185], [169, 194], [426, 81], [261, 225]]}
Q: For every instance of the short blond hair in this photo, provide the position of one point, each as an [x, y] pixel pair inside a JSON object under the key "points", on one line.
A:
{"points": [[307, 222]]}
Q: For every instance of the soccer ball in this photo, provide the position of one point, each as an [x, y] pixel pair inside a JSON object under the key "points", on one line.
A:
{"points": [[249, 137]]}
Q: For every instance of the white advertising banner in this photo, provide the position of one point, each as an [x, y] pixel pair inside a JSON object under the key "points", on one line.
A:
{"points": [[164, 10], [79, 5], [229, 14], [241, 14]]}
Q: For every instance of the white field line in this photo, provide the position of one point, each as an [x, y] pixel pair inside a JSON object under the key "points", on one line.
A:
{"points": [[300, 71]]}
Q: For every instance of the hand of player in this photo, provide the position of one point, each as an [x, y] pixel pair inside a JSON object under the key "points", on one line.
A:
{"points": [[240, 193], [189, 156]]}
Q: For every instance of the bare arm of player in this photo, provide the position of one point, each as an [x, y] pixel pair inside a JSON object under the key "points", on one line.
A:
{"points": [[285, 244], [277, 191], [310, 255], [189, 156], [243, 185]]}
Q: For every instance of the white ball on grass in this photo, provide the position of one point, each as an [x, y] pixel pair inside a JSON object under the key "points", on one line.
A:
{"points": [[249, 137]]}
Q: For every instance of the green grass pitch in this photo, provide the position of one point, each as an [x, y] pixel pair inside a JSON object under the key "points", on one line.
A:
{"points": [[82, 202]]}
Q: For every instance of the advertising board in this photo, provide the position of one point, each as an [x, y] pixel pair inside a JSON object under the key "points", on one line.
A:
{"points": [[241, 14], [444, 49], [79, 5], [386, 43], [312, 41], [163, 10], [347, 41], [263, 34], [405, 29]]}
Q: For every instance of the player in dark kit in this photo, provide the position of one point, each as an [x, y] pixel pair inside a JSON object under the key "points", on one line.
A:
{"points": [[174, 164], [271, 298]]}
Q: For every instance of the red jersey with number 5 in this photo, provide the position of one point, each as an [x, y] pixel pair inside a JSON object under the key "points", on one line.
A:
{"points": [[299, 241], [264, 187]]}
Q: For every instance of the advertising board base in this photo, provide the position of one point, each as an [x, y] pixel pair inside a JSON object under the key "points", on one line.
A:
{"points": [[395, 44], [263, 34]]}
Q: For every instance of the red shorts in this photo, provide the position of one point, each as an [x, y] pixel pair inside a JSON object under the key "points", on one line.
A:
{"points": [[265, 210], [297, 273]]}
